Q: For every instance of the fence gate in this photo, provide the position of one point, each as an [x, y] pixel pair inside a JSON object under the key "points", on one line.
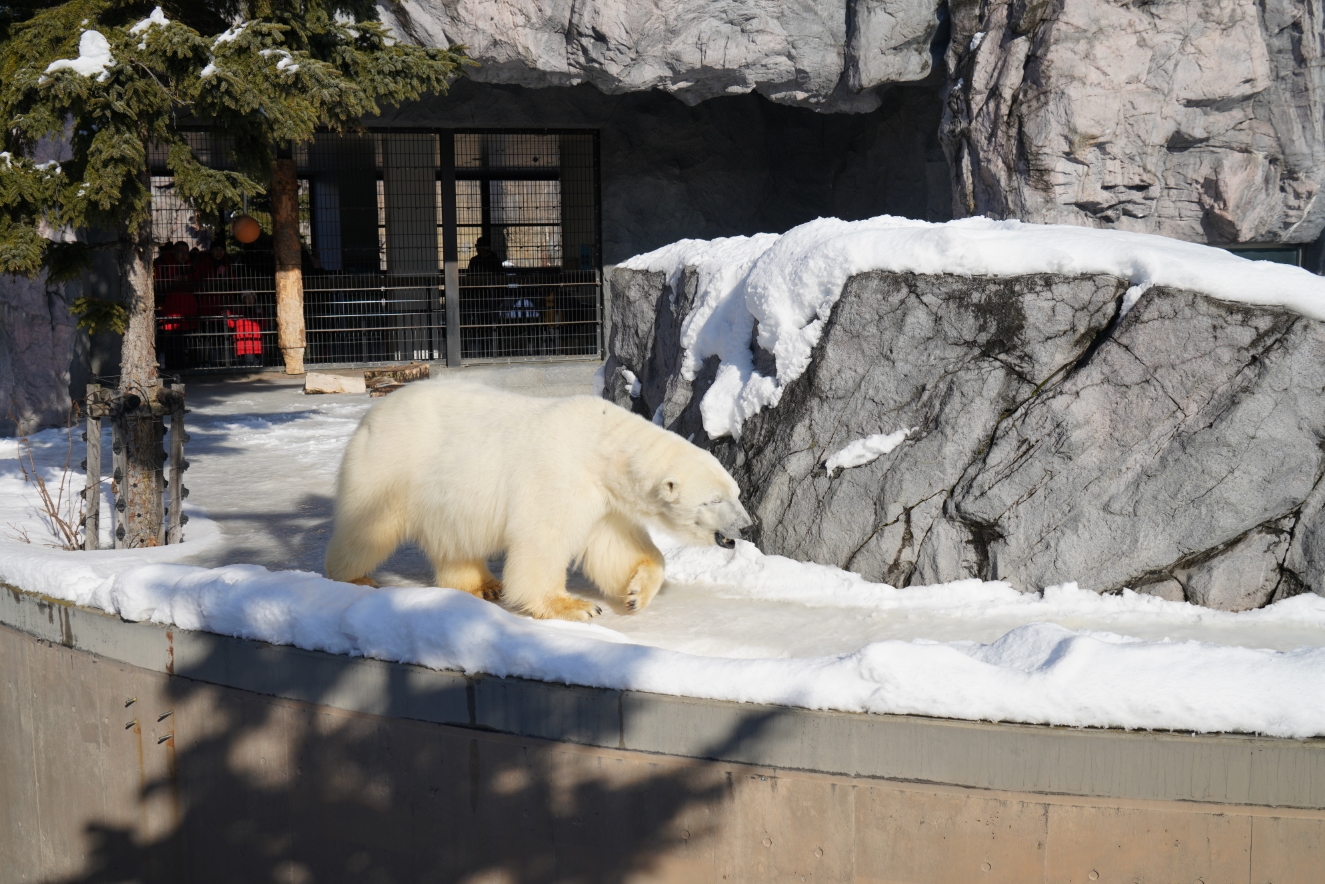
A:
{"points": [[417, 245]]}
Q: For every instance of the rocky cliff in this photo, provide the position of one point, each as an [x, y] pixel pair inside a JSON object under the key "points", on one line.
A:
{"points": [[1201, 119], [1175, 449], [828, 54]]}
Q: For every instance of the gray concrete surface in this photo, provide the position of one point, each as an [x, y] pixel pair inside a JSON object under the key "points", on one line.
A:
{"points": [[131, 752]]}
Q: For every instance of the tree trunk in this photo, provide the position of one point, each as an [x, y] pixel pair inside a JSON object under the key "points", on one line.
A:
{"points": [[289, 272], [142, 483]]}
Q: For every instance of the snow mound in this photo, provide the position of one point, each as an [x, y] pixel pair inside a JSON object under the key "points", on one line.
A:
{"points": [[785, 285], [1037, 673], [93, 58]]}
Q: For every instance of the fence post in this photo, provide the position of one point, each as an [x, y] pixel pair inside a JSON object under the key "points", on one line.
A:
{"points": [[159, 424], [289, 270], [92, 490], [177, 490], [120, 462], [450, 249]]}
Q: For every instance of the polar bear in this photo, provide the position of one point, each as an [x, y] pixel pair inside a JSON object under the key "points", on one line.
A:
{"points": [[467, 472]]}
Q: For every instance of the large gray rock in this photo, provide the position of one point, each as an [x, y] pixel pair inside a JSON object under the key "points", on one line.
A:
{"points": [[1177, 450], [1201, 120], [37, 337], [828, 54]]}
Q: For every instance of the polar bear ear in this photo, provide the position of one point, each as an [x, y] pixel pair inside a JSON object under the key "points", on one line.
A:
{"points": [[669, 489]]}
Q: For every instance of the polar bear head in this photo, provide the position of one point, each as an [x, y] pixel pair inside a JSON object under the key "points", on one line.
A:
{"points": [[698, 501]]}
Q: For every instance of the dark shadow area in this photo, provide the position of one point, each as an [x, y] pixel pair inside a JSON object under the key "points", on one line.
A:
{"points": [[261, 789]]}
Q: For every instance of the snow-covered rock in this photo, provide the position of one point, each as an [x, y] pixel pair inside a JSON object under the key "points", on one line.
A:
{"points": [[1057, 437]]}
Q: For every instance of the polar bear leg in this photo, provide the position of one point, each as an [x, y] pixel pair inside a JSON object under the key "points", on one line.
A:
{"points": [[471, 577], [623, 561], [355, 551], [534, 581]]}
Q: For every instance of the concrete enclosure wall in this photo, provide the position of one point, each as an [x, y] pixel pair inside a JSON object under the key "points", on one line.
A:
{"points": [[273, 764]]}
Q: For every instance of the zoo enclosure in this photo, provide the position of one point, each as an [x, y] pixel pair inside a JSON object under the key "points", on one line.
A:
{"points": [[390, 228]]}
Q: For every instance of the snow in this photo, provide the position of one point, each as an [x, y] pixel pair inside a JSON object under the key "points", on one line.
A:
{"points": [[207, 71], [867, 450], [93, 58], [630, 378], [730, 625], [156, 19], [787, 284], [285, 62], [230, 34]]}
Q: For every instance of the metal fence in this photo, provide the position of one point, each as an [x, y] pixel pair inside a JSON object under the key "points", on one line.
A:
{"points": [[513, 216]]}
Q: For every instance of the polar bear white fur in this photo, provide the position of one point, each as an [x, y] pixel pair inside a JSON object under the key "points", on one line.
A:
{"points": [[468, 472]]}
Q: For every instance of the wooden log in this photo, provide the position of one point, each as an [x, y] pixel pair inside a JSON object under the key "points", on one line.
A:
{"points": [[92, 489], [289, 270], [175, 531], [396, 374], [382, 389]]}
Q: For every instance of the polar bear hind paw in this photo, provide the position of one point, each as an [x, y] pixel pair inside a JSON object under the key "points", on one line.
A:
{"points": [[490, 590], [363, 581], [566, 607]]}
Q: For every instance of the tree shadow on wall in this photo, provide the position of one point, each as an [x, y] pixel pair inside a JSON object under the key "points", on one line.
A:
{"points": [[264, 789]]}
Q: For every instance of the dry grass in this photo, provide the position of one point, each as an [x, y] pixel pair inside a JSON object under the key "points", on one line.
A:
{"points": [[63, 507]]}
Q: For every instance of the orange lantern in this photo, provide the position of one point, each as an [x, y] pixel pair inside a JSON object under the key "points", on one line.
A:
{"points": [[245, 229]]}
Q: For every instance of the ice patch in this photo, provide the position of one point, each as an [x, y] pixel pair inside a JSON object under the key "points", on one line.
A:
{"points": [[867, 450]]}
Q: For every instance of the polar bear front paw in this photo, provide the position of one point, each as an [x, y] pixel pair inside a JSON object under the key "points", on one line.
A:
{"points": [[643, 585], [566, 607]]}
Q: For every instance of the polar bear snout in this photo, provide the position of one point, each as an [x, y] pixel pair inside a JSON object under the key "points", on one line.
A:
{"points": [[736, 523]]}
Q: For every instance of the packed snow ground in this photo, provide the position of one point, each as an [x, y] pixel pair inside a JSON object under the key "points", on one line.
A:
{"points": [[734, 625], [788, 283]]}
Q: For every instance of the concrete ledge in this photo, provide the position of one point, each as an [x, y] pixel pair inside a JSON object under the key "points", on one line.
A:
{"points": [[1217, 769]]}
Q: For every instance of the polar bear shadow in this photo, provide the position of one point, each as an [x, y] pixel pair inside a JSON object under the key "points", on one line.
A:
{"points": [[409, 566]]}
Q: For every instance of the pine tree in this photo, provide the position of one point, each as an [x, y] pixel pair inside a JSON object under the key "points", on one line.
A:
{"points": [[113, 79]]}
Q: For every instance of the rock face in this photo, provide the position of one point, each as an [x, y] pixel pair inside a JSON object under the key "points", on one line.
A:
{"points": [[1176, 449], [36, 343], [1200, 120], [828, 54]]}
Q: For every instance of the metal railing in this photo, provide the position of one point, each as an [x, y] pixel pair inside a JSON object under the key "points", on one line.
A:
{"points": [[222, 315], [529, 313]]}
